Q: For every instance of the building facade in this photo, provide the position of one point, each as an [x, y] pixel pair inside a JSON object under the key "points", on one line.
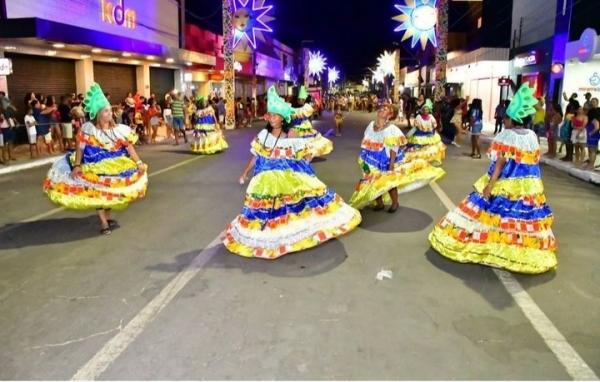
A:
{"points": [[61, 47]]}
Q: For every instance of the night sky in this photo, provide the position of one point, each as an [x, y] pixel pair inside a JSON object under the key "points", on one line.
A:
{"points": [[353, 33], [350, 34]]}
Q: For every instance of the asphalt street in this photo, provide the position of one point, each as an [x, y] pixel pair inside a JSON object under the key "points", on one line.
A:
{"points": [[155, 300]]}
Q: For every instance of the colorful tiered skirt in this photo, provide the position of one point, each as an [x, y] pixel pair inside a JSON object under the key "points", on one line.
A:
{"points": [[427, 146], [287, 209], [109, 180]]}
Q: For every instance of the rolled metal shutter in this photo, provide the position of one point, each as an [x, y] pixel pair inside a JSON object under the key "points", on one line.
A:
{"points": [[118, 80]]}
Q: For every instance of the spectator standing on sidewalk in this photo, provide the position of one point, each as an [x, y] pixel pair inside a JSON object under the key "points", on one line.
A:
{"points": [[53, 114], [476, 123], [178, 111], [554, 118], [66, 122], [499, 117], [31, 133], [539, 119], [7, 136], [593, 133], [579, 135]]}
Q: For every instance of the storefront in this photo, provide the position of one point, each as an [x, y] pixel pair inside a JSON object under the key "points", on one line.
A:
{"points": [[582, 67], [532, 65], [476, 74], [126, 46]]}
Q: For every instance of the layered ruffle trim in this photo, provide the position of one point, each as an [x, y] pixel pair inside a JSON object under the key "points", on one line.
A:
{"points": [[91, 191], [320, 146], [424, 140], [210, 144], [406, 177], [306, 232], [529, 190], [434, 154], [498, 254]]}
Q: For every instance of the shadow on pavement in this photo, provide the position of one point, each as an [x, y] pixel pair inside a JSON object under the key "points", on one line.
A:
{"points": [[45, 232], [404, 220], [319, 160], [479, 278], [312, 262]]}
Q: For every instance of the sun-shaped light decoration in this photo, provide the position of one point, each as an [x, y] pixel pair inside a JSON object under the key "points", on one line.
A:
{"points": [[378, 75], [418, 20], [387, 63], [333, 75], [316, 63], [250, 21]]}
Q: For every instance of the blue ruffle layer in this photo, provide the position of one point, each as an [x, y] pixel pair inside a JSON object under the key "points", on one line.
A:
{"points": [[269, 214], [506, 208]]}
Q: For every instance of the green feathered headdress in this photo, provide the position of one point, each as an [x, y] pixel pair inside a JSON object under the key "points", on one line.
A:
{"points": [[522, 105], [95, 100], [428, 104], [303, 94], [276, 104]]}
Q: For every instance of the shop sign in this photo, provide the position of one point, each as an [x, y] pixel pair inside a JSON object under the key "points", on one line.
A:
{"points": [[503, 81], [526, 59], [5, 66], [117, 14], [586, 46]]}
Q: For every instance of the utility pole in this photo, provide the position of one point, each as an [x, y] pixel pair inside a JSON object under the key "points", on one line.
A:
{"points": [[441, 54], [228, 70]]}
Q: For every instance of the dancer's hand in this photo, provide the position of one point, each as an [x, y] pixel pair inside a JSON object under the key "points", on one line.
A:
{"points": [[487, 192], [76, 172], [242, 179]]}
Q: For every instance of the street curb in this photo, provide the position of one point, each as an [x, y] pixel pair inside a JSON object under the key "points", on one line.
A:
{"points": [[30, 165]]}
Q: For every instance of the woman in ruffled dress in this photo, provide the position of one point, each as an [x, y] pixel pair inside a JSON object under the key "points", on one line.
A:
{"points": [[302, 127], [286, 208], [386, 170], [505, 222], [426, 143], [208, 136], [105, 172]]}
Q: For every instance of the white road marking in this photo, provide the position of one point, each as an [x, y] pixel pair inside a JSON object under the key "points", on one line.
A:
{"points": [[113, 348], [60, 209], [558, 344], [30, 165]]}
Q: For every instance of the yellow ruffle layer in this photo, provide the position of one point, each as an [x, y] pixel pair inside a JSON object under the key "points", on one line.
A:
{"points": [[277, 183], [500, 255], [433, 154], [424, 140], [206, 126], [514, 189], [320, 146], [375, 185], [214, 143], [500, 149], [306, 243], [303, 129]]}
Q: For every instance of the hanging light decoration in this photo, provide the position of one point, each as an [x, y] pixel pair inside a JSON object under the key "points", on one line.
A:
{"points": [[250, 21], [387, 63], [418, 20], [378, 75], [333, 75], [316, 63]]}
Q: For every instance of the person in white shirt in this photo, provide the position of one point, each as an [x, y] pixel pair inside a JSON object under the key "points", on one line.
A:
{"points": [[31, 133]]}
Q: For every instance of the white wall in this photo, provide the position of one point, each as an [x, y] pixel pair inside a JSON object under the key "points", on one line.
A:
{"points": [[538, 20], [581, 78]]}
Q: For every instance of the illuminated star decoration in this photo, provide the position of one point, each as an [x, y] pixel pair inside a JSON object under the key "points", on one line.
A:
{"points": [[250, 21], [333, 75], [378, 75], [418, 20], [365, 83], [387, 63], [316, 63]]}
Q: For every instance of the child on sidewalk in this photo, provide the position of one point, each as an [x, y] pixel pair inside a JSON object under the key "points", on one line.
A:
{"points": [[31, 133]]}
